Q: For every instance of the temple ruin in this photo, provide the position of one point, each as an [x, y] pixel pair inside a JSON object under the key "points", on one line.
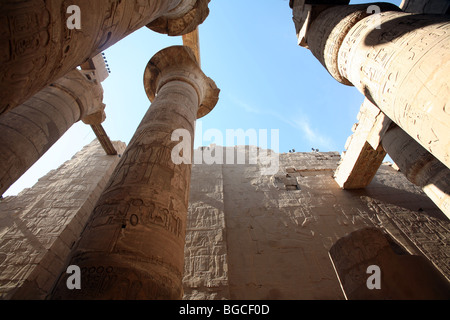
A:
{"points": [[140, 226]]}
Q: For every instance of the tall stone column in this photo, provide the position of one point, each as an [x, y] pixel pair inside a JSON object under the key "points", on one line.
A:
{"points": [[133, 245], [419, 166], [37, 46], [28, 131], [399, 61]]}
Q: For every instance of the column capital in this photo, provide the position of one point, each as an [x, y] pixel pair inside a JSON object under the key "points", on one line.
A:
{"points": [[97, 117], [183, 19], [86, 92], [178, 63]]}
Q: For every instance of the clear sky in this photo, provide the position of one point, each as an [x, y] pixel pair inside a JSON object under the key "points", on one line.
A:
{"points": [[249, 48]]}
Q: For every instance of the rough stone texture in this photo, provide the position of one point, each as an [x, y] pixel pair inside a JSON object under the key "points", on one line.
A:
{"points": [[403, 71], [401, 276], [182, 20], [38, 48], [192, 40], [248, 236], [40, 225], [426, 6], [364, 153], [104, 139], [420, 231], [419, 166], [32, 128], [327, 32], [279, 228], [206, 263], [137, 229]]}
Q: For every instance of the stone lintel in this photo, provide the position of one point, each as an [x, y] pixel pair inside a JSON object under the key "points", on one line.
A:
{"points": [[104, 139], [192, 40], [364, 153], [178, 63], [39, 49]]}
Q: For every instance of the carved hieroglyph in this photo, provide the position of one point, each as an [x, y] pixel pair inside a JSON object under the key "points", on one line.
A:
{"points": [[133, 245], [40, 225], [32, 128], [405, 72], [37, 47], [400, 276], [419, 166], [399, 61]]}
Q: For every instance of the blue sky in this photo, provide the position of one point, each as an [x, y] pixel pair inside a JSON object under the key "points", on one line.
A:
{"points": [[249, 48]]}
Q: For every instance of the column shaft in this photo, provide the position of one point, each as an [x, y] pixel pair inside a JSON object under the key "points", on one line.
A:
{"points": [[399, 61], [32, 128], [405, 72], [136, 234], [39, 48], [419, 166]]}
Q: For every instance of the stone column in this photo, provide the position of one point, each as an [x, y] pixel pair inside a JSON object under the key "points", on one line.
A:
{"points": [[419, 166], [32, 128], [399, 61], [39, 48], [369, 267], [136, 234]]}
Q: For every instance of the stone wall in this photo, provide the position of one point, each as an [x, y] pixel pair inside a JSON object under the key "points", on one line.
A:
{"points": [[253, 236], [206, 268], [40, 225], [249, 235]]}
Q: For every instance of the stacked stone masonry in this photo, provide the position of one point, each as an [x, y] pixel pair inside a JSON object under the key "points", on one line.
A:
{"points": [[278, 229], [225, 231], [248, 235], [40, 225]]}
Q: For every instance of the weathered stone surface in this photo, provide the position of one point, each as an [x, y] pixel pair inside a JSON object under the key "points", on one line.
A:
{"points": [[419, 166], [40, 225], [206, 264], [137, 229], [192, 40], [400, 276], [328, 30], [278, 238], [426, 6], [364, 153], [32, 128], [420, 232], [389, 68], [104, 140], [39, 48]]}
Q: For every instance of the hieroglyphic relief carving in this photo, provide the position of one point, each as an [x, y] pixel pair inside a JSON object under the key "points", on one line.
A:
{"points": [[398, 61], [24, 31], [37, 48], [390, 72], [429, 234], [138, 225]]}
